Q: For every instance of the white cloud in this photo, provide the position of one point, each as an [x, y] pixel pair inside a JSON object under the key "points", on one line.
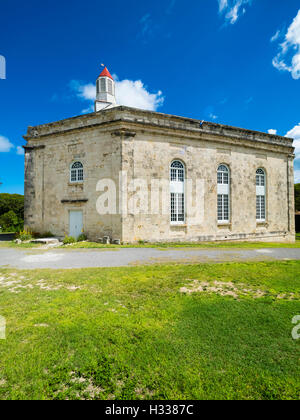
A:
{"points": [[20, 150], [88, 110], [128, 92], [146, 25], [271, 131], [291, 45], [222, 5], [213, 116], [87, 92], [294, 133], [275, 36], [297, 176], [232, 9], [5, 145], [135, 94]]}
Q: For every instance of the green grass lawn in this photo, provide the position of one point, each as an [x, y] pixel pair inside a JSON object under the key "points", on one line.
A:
{"points": [[10, 244], [237, 245], [159, 332], [166, 245]]}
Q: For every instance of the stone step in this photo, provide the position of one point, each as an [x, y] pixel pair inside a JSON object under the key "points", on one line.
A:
{"points": [[45, 241]]}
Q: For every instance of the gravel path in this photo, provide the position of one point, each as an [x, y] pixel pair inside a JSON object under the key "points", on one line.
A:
{"points": [[81, 258]]}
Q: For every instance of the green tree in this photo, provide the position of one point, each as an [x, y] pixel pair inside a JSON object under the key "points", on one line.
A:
{"points": [[14, 202], [10, 222]]}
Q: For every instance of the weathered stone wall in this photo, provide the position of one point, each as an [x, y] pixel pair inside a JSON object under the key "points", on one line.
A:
{"points": [[142, 145], [152, 155], [54, 195], [29, 188]]}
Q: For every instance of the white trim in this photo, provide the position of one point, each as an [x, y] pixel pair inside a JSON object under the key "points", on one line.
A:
{"points": [[261, 177], [76, 181], [223, 190], [177, 187]]}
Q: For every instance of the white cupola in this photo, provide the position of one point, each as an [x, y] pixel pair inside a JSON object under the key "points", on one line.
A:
{"points": [[105, 89]]}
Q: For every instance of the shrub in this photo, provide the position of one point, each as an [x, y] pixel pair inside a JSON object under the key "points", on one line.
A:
{"points": [[10, 222], [25, 235], [82, 238], [69, 240]]}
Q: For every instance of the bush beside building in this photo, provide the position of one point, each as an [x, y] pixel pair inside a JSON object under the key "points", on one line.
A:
{"points": [[11, 212]]}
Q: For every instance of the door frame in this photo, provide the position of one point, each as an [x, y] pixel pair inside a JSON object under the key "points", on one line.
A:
{"points": [[75, 209]]}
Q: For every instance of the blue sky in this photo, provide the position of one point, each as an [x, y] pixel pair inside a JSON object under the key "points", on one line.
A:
{"points": [[234, 62]]}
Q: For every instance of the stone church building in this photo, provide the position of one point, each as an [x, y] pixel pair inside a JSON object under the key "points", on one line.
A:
{"points": [[159, 177]]}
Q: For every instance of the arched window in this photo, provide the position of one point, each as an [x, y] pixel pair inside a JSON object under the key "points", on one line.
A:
{"points": [[260, 195], [177, 177], [76, 174], [223, 194]]}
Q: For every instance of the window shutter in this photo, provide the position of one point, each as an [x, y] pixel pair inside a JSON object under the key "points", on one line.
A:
{"points": [[103, 85], [110, 87]]}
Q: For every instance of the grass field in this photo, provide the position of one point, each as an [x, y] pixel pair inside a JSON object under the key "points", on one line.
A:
{"points": [[204, 245], [12, 244], [159, 332]]}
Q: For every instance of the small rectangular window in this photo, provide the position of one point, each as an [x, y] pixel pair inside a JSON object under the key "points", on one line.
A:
{"points": [[180, 175], [220, 207], [80, 174], [260, 208], [173, 174], [73, 175], [177, 207], [223, 208], [260, 180], [226, 208]]}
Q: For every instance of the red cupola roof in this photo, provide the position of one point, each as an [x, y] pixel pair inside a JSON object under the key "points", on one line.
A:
{"points": [[106, 73]]}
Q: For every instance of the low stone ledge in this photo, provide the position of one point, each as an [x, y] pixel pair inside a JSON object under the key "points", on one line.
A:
{"points": [[46, 241], [74, 201]]}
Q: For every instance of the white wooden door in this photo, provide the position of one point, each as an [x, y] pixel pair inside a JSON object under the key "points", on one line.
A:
{"points": [[75, 223]]}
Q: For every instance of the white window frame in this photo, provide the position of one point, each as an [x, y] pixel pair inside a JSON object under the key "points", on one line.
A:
{"points": [[223, 194], [261, 200], [78, 171], [177, 193]]}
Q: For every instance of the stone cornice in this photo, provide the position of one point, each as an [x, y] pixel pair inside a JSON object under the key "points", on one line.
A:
{"points": [[37, 147], [132, 120], [123, 133]]}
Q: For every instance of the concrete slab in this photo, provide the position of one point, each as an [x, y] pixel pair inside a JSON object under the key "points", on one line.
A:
{"points": [[46, 241]]}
